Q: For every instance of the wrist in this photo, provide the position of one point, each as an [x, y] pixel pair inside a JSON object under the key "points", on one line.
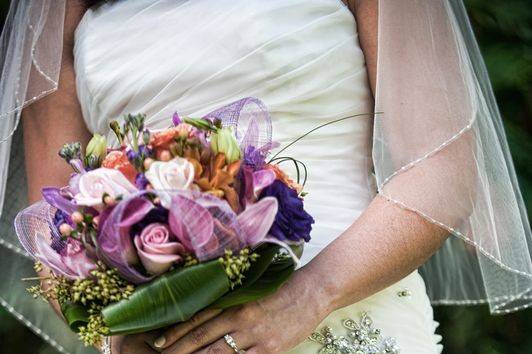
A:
{"points": [[306, 288]]}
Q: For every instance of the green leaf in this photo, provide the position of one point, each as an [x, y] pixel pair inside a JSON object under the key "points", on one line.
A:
{"points": [[76, 315], [171, 298], [266, 254], [261, 281]]}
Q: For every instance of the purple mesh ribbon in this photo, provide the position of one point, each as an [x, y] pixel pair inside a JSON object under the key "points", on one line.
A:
{"points": [[250, 120]]}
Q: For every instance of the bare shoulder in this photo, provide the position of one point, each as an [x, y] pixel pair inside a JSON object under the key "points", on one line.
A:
{"points": [[368, 7]]}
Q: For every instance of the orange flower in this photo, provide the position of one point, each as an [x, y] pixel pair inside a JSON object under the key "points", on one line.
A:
{"points": [[217, 178], [163, 139], [118, 160], [283, 177]]}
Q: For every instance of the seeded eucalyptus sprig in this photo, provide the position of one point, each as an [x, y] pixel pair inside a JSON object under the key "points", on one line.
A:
{"points": [[236, 265], [103, 287]]}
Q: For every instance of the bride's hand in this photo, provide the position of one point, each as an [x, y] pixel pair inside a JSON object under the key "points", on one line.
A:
{"points": [[271, 325], [134, 344]]}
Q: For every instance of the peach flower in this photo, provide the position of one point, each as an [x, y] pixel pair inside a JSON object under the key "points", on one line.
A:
{"points": [[283, 177], [118, 160]]}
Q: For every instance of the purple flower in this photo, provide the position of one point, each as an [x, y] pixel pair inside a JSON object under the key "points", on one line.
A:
{"points": [[292, 222], [60, 217], [144, 151], [116, 247], [156, 215], [176, 119], [73, 262], [253, 182], [141, 181], [256, 158]]}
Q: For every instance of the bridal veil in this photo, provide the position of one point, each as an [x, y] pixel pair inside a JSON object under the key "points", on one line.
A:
{"points": [[439, 150]]}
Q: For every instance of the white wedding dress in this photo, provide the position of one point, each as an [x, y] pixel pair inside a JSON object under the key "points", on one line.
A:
{"points": [[303, 60]]}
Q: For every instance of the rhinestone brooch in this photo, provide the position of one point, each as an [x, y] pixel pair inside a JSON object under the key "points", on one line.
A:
{"points": [[361, 338]]}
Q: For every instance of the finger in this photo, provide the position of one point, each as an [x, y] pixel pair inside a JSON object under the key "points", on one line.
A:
{"points": [[135, 343], [202, 336], [171, 335], [254, 350], [241, 341]]}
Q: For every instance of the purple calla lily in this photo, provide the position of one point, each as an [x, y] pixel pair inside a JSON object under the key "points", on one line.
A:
{"points": [[72, 263], [256, 220], [115, 244], [54, 197]]}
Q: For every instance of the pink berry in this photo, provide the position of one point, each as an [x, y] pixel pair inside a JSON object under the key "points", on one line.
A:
{"points": [[147, 163], [77, 217], [165, 155], [65, 229]]}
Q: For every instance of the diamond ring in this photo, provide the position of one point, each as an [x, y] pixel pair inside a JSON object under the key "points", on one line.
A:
{"points": [[231, 342]]}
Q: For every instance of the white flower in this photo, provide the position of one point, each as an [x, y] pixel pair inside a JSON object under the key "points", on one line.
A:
{"points": [[94, 184], [171, 175], [174, 174]]}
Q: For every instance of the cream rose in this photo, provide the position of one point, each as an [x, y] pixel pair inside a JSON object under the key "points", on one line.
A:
{"points": [[174, 174], [93, 185]]}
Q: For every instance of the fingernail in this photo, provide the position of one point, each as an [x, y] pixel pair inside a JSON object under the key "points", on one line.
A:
{"points": [[159, 342]]}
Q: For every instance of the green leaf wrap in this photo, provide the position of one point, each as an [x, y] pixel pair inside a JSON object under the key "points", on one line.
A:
{"points": [[171, 298], [75, 315], [176, 296]]}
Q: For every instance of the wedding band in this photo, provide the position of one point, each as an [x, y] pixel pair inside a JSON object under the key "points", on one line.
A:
{"points": [[106, 346], [231, 342]]}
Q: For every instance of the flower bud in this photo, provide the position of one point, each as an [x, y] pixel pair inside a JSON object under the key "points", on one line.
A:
{"points": [[108, 200], [96, 148], [225, 142]]}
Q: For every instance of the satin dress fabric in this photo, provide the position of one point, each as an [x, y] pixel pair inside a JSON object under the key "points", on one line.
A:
{"points": [[303, 60]]}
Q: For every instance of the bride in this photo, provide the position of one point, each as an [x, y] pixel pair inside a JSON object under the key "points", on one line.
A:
{"points": [[424, 181]]}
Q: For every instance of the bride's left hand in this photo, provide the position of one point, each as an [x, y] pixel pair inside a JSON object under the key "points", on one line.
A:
{"points": [[272, 325]]}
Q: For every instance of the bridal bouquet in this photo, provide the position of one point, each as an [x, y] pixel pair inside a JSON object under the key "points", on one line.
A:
{"points": [[167, 223]]}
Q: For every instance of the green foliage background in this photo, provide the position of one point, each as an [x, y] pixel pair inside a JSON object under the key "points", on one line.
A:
{"points": [[504, 31]]}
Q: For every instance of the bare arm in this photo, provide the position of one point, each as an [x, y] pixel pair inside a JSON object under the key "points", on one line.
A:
{"points": [[388, 242], [53, 121]]}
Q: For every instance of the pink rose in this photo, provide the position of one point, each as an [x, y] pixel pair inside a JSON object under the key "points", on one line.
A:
{"points": [[157, 248], [94, 184]]}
